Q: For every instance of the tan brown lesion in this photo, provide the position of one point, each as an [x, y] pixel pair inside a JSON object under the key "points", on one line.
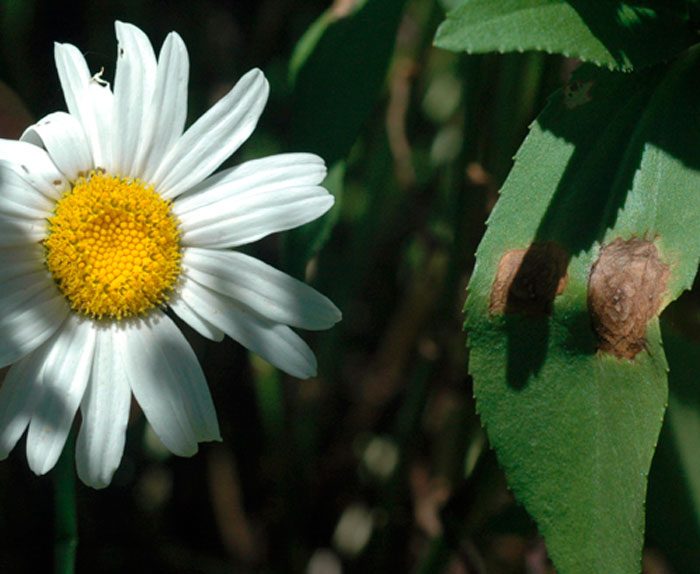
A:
{"points": [[528, 280], [625, 290]]}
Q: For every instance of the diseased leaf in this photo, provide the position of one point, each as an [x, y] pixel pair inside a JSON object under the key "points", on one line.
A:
{"points": [[620, 35], [595, 232]]}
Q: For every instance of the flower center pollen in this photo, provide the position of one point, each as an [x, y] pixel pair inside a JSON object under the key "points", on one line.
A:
{"points": [[113, 247]]}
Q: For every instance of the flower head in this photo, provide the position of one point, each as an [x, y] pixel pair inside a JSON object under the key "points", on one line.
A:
{"points": [[109, 214]]}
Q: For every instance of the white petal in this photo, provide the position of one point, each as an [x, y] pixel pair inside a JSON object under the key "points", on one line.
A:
{"points": [[195, 320], [133, 90], [21, 259], [19, 395], [27, 319], [260, 287], [102, 104], [64, 378], [240, 221], [105, 413], [18, 198], [24, 285], [35, 166], [169, 384], [21, 231], [167, 113], [73, 74], [87, 99], [213, 137], [63, 138], [275, 343], [255, 177]]}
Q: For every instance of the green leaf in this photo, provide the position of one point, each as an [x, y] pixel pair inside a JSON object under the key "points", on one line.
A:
{"points": [[304, 242], [337, 71], [620, 35], [573, 398], [673, 508]]}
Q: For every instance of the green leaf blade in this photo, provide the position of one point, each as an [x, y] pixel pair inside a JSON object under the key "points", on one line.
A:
{"points": [[337, 71], [616, 35]]}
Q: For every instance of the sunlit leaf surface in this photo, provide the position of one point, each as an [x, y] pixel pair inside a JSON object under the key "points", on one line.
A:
{"points": [[618, 35]]}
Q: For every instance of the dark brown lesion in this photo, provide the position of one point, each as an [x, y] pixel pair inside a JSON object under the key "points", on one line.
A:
{"points": [[625, 291], [528, 280]]}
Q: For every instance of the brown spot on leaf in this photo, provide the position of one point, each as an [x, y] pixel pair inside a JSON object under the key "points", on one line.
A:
{"points": [[625, 291], [528, 280]]}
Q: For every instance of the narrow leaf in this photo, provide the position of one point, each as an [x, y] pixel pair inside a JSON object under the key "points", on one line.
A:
{"points": [[303, 243], [337, 70]]}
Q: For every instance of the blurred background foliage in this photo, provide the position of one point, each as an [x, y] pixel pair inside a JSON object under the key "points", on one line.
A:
{"points": [[380, 463]]}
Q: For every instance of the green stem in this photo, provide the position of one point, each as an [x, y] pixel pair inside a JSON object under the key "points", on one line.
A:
{"points": [[65, 515]]}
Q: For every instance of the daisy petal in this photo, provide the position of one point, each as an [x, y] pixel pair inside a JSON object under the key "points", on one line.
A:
{"points": [[87, 99], [255, 177], [28, 319], [102, 105], [73, 74], [252, 217], [23, 285], [275, 343], [195, 320], [165, 120], [19, 198], [260, 287], [213, 137], [35, 166], [133, 90], [105, 412], [64, 378], [18, 397], [20, 231], [64, 139], [169, 384], [21, 259]]}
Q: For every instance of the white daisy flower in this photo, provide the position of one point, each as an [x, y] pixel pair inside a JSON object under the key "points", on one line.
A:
{"points": [[108, 214]]}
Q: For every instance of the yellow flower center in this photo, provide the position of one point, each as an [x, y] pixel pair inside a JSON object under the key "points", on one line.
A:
{"points": [[113, 247]]}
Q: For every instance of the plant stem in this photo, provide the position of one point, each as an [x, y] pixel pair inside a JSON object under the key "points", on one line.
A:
{"points": [[65, 515]]}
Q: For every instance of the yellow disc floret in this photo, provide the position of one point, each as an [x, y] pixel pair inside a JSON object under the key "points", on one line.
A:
{"points": [[113, 247]]}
